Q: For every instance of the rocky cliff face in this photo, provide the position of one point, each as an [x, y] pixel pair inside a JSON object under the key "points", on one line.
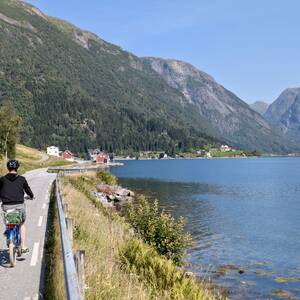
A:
{"points": [[260, 107], [284, 113], [228, 114]]}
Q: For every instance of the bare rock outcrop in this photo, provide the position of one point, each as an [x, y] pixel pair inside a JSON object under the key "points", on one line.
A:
{"points": [[112, 195]]}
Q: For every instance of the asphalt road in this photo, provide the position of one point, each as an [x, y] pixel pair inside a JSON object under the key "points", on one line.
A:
{"points": [[24, 281]]}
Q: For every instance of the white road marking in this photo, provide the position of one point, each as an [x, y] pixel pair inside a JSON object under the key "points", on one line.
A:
{"points": [[35, 297], [35, 254], [44, 205], [40, 221]]}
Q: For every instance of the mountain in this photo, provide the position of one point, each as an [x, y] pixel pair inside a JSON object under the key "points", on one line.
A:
{"points": [[77, 91], [228, 114], [260, 107], [284, 113]]}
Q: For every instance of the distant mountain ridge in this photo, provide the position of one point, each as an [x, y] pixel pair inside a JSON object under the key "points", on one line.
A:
{"points": [[260, 107], [284, 113], [227, 113]]}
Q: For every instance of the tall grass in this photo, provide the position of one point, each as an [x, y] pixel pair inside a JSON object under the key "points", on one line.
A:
{"points": [[119, 265], [106, 177], [160, 274]]}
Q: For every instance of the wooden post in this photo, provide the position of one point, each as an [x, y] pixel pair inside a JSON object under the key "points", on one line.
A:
{"points": [[79, 258], [69, 224]]}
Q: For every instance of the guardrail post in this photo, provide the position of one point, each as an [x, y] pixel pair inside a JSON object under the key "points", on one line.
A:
{"points": [[69, 224], [79, 258], [66, 209]]}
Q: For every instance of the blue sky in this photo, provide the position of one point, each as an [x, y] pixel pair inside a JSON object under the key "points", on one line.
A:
{"points": [[251, 47]]}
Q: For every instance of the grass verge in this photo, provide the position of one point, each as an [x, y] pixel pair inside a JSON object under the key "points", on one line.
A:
{"points": [[54, 270]]}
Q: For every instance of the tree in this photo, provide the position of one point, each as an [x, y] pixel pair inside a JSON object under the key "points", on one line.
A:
{"points": [[9, 130]]}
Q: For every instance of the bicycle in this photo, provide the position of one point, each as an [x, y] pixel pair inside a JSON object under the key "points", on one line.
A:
{"points": [[13, 220]]}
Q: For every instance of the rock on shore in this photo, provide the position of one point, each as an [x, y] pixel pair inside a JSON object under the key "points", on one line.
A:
{"points": [[113, 195]]}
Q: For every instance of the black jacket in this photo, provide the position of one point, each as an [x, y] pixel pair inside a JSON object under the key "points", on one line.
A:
{"points": [[12, 188]]}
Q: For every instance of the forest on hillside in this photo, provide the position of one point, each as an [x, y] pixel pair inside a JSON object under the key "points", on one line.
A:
{"points": [[80, 97]]}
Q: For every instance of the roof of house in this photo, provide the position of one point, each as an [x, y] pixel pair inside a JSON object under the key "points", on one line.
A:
{"points": [[68, 151], [102, 154]]}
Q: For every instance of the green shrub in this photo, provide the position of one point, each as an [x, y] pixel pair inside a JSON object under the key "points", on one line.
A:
{"points": [[158, 229], [161, 274], [106, 177]]}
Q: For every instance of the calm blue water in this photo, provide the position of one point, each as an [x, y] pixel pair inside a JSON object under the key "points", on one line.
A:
{"points": [[244, 215]]}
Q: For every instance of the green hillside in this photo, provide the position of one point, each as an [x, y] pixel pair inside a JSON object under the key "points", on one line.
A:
{"points": [[77, 91], [31, 159]]}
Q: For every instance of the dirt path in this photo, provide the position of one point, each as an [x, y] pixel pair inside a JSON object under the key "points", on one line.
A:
{"points": [[43, 158]]}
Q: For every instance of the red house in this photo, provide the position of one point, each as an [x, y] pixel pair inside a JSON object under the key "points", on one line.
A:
{"points": [[67, 155], [102, 158]]}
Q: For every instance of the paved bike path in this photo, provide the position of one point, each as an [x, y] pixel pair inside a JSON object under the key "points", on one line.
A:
{"points": [[24, 281]]}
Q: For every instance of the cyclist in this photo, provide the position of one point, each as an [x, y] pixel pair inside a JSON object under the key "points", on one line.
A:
{"points": [[12, 188]]}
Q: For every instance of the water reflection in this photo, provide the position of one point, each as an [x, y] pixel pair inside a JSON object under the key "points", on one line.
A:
{"points": [[184, 199], [179, 198]]}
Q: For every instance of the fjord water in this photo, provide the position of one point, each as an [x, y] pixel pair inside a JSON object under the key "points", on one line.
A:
{"points": [[243, 214]]}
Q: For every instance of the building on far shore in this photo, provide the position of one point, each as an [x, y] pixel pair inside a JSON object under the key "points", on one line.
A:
{"points": [[201, 152], [68, 155], [53, 151], [102, 158], [93, 154], [163, 155], [225, 148]]}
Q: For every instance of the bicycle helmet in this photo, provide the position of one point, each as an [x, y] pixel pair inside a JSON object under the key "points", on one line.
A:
{"points": [[13, 164]]}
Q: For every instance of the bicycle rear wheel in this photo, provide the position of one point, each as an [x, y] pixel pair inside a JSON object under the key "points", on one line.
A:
{"points": [[12, 254], [19, 251]]}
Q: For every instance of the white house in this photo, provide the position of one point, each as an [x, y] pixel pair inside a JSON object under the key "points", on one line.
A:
{"points": [[53, 151], [93, 154], [225, 148]]}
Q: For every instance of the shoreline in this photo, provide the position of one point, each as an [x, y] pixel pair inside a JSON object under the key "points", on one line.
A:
{"points": [[208, 158], [189, 158]]}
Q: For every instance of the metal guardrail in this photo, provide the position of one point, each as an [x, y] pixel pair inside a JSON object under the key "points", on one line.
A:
{"points": [[82, 169], [70, 273], [73, 170]]}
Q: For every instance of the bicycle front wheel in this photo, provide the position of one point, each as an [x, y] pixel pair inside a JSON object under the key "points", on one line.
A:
{"points": [[12, 254]]}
